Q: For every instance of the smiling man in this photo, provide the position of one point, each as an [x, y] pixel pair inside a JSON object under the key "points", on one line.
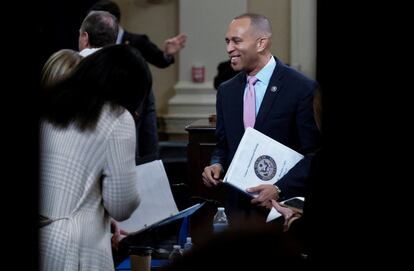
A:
{"points": [[270, 97]]}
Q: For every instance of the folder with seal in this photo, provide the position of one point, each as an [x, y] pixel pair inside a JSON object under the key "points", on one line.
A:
{"points": [[258, 160]]}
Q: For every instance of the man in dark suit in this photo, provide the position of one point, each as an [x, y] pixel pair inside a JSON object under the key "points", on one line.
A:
{"points": [[147, 127], [284, 112]]}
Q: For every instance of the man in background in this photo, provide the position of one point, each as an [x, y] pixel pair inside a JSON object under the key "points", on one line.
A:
{"points": [[224, 73], [98, 29], [147, 143]]}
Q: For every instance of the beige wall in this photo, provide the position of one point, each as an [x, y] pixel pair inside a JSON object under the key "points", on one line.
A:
{"points": [[160, 21], [278, 12]]}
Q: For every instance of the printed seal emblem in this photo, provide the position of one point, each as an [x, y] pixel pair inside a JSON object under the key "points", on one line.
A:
{"points": [[265, 167]]}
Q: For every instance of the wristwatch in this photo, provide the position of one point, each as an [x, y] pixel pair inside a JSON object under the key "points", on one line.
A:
{"points": [[278, 190]]}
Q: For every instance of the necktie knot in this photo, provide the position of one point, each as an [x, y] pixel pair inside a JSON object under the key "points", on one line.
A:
{"points": [[252, 80]]}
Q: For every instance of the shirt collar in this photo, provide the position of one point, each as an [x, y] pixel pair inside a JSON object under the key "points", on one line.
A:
{"points": [[266, 72], [120, 35], [87, 51]]}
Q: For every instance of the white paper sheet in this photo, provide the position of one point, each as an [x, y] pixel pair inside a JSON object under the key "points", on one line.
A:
{"points": [[157, 202]]}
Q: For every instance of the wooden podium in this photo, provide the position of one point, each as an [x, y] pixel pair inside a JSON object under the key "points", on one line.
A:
{"points": [[201, 143]]}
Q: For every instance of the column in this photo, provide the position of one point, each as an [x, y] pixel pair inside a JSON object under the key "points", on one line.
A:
{"points": [[205, 23], [303, 36]]}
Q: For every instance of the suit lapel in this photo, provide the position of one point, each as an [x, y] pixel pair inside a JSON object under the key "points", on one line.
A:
{"points": [[126, 38], [272, 92], [238, 101]]}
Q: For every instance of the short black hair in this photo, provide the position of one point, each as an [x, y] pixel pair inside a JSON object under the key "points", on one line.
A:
{"points": [[260, 22], [109, 6]]}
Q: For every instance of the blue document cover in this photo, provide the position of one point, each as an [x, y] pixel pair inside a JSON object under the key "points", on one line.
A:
{"points": [[183, 213]]}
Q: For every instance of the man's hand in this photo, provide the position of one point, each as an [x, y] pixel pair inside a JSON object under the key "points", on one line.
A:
{"points": [[266, 192], [174, 44], [211, 175]]}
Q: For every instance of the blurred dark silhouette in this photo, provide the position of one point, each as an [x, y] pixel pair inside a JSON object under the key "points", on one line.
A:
{"points": [[59, 25], [224, 73]]}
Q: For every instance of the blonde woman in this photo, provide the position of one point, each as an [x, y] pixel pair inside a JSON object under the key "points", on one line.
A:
{"points": [[59, 66]]}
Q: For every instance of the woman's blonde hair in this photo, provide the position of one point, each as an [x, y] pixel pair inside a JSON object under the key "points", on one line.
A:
{"points": [[59, 66]]}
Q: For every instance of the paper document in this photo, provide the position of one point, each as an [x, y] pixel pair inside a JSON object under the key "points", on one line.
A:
{"points": [[273, 214], [258, 160], [157, 202]]}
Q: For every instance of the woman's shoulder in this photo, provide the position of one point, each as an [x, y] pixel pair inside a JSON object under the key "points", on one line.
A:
{"points": [[118, 119]]}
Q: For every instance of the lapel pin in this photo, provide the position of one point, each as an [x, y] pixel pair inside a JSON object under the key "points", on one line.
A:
{"points": [[273, 88]]}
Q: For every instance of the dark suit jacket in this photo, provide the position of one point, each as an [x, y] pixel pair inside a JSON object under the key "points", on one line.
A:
{"points": [[149, 50], [147, 132], [285, 115]]}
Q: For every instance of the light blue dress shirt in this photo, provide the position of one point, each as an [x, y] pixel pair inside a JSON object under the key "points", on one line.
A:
{"points": [[120, 35], [263, 77]]}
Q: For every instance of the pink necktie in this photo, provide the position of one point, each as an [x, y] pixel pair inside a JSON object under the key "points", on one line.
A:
{"points": [[249, 108]]}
